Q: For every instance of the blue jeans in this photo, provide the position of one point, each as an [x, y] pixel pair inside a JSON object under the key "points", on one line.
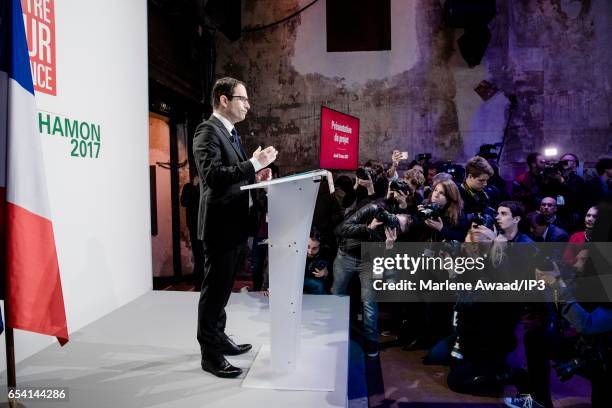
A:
{"points": [[314, 286], [345, 267]]}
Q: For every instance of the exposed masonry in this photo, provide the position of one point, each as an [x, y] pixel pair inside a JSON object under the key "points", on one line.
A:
{"points": [[553, 54]]}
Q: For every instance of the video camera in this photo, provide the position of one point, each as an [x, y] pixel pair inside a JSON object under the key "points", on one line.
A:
{"points": [[551, 168], [455, 170]]}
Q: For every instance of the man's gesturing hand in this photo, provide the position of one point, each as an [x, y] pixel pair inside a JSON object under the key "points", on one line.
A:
{"points": [[265, 156], [263, 175]]}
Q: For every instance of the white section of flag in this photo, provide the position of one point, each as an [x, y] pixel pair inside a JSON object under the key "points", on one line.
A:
{"points": [[26, 177]]}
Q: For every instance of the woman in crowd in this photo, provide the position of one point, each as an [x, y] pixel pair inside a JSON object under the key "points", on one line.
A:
{"points": [[577, 239], [431, 322], [451, 224]]}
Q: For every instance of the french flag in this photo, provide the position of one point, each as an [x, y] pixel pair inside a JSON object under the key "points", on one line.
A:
{"points": [[28, 258]]}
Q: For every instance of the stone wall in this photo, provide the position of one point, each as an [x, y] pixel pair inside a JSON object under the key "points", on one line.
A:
{"points": [[552, 54]]}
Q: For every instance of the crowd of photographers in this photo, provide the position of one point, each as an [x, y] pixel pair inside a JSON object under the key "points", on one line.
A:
{"points": [[422, 201]]}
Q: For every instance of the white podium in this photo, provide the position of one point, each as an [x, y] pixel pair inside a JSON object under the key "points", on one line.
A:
{"points": [[284, 364]]}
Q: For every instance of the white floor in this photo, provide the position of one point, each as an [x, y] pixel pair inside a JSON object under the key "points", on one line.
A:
{"points": [[145, 354]]}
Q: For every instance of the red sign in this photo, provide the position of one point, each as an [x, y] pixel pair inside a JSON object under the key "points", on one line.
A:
{"points": [[339, 140], [39, 20]]}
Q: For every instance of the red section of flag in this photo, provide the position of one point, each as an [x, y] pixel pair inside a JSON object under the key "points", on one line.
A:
{"points": [[33, 285], [2, 236]]}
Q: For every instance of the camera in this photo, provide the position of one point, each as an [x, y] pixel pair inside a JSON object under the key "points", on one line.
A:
{"points": [[362, 173], [552, 168], [388, 219], [489, 151], [452, 247], [424, 157], [400, 186], [455, 170], [567, 369], [483, 219], [319, 264], [594, 356], [429, 211]]}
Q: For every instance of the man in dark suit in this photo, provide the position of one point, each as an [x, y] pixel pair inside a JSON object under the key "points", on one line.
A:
{"points": [[543, 231], [223, 223]]}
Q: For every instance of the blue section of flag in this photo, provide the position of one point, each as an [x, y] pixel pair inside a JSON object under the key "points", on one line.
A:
{"points": [[4, 37], [14, 58]]}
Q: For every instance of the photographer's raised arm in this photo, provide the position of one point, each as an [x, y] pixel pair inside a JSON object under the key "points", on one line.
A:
{"points": [[356, 226], [396, 156]]}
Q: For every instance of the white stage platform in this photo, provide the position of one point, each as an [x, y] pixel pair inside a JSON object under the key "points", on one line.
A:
{"points": [[145, 354]]}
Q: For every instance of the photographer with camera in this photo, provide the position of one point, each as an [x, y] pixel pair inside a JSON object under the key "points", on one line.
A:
{"points": [[526, 187], [569, 163], [315, 272], [588, 354], [571, 212], [370, 184], [552, 180], [440, 220], [371, 223], [502, 230], [400, 197], [507, 220], [485, 331], [477, 197], [415, 180], [490, 152], [444, 216]]}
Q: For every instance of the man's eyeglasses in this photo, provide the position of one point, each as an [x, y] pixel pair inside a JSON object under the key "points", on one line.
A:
{"points": [[242, 98]]}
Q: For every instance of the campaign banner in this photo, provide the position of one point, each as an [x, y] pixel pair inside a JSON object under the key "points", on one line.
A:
{"points": [[39, 21], [339, 140]]}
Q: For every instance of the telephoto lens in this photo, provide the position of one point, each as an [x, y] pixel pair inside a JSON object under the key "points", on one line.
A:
{"points": [[388, 219]]}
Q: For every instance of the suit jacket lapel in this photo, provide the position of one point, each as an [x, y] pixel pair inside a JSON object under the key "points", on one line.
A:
{"points": [[227, 135]]}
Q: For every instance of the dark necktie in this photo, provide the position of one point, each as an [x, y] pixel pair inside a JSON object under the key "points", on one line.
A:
{"points": [[236, 141]]}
